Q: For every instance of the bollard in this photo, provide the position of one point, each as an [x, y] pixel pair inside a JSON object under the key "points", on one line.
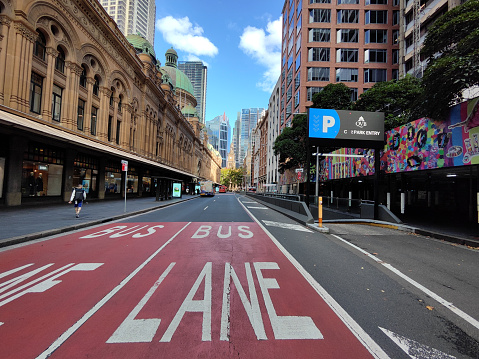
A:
{"points": [[320, 211]]}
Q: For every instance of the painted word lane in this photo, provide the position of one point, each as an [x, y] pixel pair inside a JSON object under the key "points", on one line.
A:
{"points": [[170, 290]]}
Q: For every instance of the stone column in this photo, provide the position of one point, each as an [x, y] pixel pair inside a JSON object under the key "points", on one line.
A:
{"points": [[101, 177], [116, 100], [16, 148], [70, 155], [48, 84], [24, 39], [104, 111], [87, 120], [4, 34], [71, 95], [125, 130]]}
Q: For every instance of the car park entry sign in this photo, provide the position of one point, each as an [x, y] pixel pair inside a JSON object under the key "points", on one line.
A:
{"points": [[345, 128]]}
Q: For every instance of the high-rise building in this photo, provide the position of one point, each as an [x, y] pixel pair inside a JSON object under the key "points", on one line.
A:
{"points": [[135, 17], [218, 130], [197, 73], [249, 118], [330, 41]]}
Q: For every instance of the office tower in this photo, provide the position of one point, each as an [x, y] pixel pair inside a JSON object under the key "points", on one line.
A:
{"points": [[272, 161], [197, 73], [249, 118], [236, 139], [218, 130], [135, 17], [330, 41]]}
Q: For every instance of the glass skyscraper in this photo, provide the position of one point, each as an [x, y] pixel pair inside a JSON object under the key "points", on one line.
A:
{"points": [[133, 16], [249, 119], [197, 73], [218, 130]]}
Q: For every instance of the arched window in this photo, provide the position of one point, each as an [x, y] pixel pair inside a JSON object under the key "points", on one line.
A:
{"points": [[60, 60], [96, 85], [40, 45], [83, 77], [111, 97]]}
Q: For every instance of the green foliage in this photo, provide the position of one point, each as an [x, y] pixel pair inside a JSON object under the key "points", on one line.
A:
{"points": [[233, 177], [291, 144], [333, 96], [452, 52], [398, 99]]}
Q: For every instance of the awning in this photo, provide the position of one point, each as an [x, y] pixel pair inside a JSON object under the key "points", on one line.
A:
{"points": [[32, 126]]}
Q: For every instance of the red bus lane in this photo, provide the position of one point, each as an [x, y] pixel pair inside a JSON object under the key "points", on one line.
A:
{"points": [[48, 286], [216, 290]]}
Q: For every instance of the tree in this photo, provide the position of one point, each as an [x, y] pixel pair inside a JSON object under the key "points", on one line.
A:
{"points": [[291, 143], [333, 96], [232, 177], [398, 99], [452, 53]]}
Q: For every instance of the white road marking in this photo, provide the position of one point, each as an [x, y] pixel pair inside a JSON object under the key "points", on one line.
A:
{"points": [[258, 207], [375, 350], [204, 209], [5, 274], [57, 343], [414, 349], [250, 202], [295, 227], [411, 281]]}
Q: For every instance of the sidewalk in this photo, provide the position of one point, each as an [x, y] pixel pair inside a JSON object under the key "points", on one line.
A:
{"points": [[21, 224]]}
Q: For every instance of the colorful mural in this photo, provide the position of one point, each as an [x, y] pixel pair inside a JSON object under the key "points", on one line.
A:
{"points": [[418, 145]]}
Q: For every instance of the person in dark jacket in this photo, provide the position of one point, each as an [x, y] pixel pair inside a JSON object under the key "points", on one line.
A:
{"points": [[77, 197]]}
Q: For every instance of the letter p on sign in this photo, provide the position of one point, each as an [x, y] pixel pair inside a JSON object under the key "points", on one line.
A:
{"points": [[328, 122]]}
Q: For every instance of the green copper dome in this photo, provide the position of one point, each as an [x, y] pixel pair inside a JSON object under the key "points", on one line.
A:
{"points": [[180, 80], [189, 111], [141, 45]]}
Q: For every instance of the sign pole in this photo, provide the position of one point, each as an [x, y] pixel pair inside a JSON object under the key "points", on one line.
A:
{"points": [[308, 159], [124, 167]]}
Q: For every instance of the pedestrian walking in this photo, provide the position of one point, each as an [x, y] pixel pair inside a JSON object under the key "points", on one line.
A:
{"points": [[77, 197]]}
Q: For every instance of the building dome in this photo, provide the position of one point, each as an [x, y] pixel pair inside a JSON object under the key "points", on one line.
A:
{"points": [[141, 45], [189, 111], [180, 80]]}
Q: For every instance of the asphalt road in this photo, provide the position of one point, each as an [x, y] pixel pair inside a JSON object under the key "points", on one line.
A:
{"points": [[227, 277]]}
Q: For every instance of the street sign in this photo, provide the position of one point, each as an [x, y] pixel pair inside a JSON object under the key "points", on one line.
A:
{"points": [[345, 128], [124, 165], [299, 170]]}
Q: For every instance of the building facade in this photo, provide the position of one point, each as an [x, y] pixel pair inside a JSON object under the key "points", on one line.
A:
{"points": [[133, 17], [249, 119], [272, 161], [218, 130], [197, 73], [355, 42], [79, 98]]}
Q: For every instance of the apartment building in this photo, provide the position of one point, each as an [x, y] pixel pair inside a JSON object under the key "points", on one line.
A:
{"points": [[355, 42]]}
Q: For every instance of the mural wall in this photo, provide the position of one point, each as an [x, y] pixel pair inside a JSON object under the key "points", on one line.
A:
{"points": [[418, 145]]}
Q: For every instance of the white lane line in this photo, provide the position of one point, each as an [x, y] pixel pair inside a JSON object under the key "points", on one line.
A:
{"points": [[295, 227], [250, 202], [375, 350], [257, 207], [57, 343], [204, 209], [411, 281]]}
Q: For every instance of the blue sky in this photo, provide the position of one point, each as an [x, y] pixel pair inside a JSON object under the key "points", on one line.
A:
{"points": [[239, 41]]}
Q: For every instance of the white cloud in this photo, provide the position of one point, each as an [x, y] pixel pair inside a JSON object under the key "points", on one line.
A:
{"points": [[191, 57], [185, 36], [265, 48]]}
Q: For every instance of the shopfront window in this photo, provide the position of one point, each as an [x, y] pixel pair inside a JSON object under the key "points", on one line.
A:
{"points": [[41, 179], [42, 171], [132, 184], [146, 184], [85, 172], [113, 178]]}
